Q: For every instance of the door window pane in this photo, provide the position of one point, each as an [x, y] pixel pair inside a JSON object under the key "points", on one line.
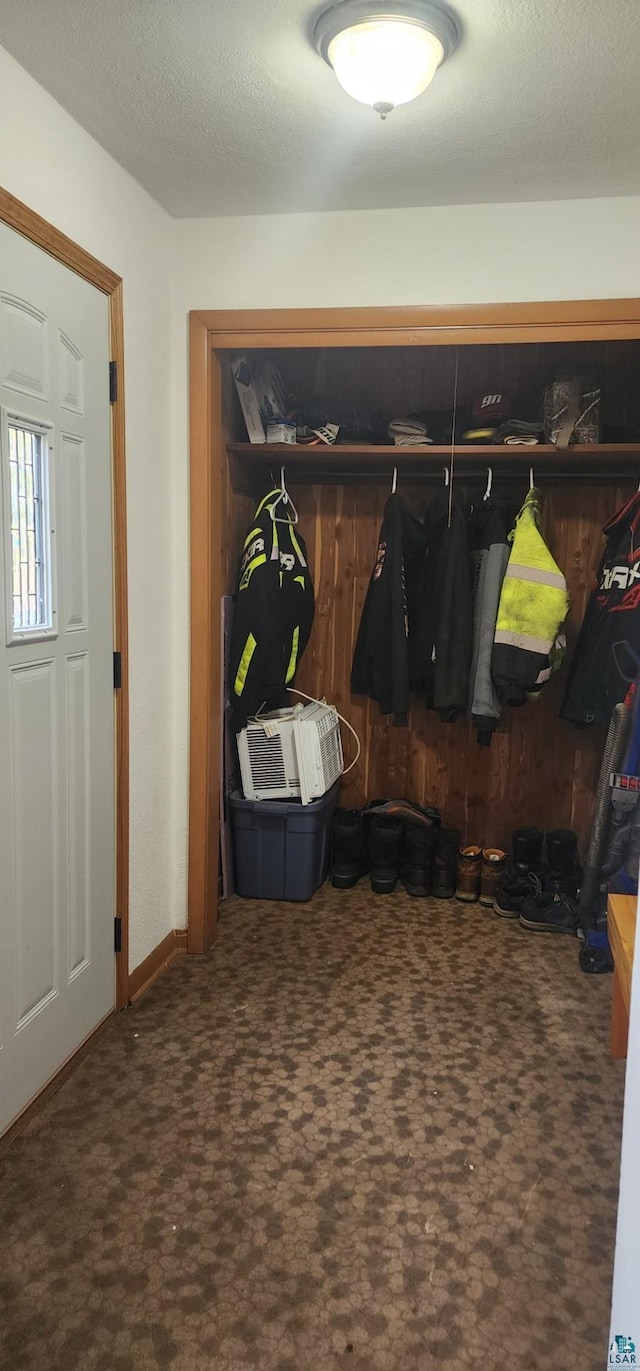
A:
{"points": [[30, 548]]}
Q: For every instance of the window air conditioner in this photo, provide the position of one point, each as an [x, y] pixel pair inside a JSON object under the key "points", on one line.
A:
{"points": [[291, 753]]}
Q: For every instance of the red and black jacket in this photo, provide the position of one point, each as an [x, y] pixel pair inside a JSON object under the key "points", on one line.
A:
{"points": [[595, 685]]}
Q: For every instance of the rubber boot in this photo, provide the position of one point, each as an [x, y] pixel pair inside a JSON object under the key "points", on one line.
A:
{"points": [[349, 855], [494, 861], [417, 871], [521, 877], [527, 850], [564, 871], [562, 851], [468, 873], [385, 849], [445, 862]]}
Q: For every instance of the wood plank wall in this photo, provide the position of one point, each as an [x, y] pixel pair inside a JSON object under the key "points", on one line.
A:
{"points": [[539, 769], [392, 381]]}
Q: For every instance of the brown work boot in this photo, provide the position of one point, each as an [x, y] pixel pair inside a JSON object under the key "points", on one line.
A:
{"points": [[468, 873], [493, 865]]}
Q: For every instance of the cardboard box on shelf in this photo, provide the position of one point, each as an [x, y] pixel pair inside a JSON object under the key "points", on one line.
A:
{"points": [[248, 396], [263, 397]]}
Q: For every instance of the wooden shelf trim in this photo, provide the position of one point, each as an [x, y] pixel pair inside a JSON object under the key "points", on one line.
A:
{"points": [[356, 462], [499, 451]]}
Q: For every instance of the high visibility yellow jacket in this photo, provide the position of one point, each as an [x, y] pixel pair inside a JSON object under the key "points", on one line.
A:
{"points": [[533, 605]]}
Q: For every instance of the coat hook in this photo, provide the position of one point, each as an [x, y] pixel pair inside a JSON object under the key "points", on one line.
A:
{"points": [[446, 477], [489, 483], [394, 481], [531, 479], [284, 496]]}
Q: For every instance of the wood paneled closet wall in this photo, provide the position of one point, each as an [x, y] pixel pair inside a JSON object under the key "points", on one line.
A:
{"points": [[394, 359], [539, 769]]}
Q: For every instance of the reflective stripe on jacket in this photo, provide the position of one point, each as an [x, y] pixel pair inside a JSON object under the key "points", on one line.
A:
{"points": [[533, 605], [273, 612]]}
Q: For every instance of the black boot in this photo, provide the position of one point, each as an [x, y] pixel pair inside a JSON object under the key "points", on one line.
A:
{"points": [[349, 855], [527, 850], [564, 872], [445, 863], [562, 851], [521, 879], [385, 849], [418, 866]]}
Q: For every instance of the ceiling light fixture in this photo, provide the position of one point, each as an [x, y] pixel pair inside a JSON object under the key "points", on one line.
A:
{"points": [[386, 52]]}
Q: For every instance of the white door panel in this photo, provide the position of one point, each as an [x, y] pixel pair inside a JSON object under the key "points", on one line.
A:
{"points": [[57, 769]]}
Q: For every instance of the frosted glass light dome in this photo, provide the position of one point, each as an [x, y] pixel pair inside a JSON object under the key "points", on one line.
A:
{"points": [[386, 52], [386, 62]]}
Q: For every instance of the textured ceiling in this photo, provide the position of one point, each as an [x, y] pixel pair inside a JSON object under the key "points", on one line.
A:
{"points": [[223, 106]]}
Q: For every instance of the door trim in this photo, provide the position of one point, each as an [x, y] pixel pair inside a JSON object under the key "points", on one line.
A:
{"points": [[209, 330], [42, 234]]}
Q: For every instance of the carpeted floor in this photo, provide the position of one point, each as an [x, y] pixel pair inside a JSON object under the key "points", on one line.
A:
{"points": [[379, 1134]]}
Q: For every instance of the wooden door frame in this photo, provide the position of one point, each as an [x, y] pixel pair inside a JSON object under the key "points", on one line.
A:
{"points": [[42, 234], [212, 330]]}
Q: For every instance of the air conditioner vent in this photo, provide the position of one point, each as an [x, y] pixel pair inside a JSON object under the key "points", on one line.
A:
{"points": [[267, 762]]}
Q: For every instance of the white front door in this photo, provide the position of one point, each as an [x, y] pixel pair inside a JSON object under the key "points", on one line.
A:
{"points": [[57, 775]]}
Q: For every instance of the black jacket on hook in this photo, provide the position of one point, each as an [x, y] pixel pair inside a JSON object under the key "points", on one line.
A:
{"points": [[442, 621], [273, 613], [381, 657]]}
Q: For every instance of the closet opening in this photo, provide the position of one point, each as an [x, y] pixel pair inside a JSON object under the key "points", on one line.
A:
{"points": [[367, 368]]}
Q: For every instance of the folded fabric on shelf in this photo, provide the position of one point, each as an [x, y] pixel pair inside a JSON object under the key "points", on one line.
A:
{"points": [[409, 431], [519, 431]]}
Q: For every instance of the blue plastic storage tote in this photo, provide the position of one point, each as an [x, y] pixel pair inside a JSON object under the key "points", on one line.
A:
{"points": [[282, 847]]}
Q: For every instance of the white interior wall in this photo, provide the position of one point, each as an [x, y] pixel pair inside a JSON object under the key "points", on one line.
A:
{"points": [[562, 250], [469, 254], [51, 164]]}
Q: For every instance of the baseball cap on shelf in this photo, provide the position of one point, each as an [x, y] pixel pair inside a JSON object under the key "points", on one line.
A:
{"points": [[491, 407]]}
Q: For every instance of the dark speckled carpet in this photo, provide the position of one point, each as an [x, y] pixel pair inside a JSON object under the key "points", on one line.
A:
{"points": [[368, 1132]]}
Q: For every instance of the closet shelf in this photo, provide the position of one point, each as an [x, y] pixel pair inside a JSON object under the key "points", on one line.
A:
{"points": [[350, 462]]}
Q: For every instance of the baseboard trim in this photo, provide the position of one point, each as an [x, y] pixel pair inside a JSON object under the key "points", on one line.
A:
{"points": [[53, 1084], [156, 963]]}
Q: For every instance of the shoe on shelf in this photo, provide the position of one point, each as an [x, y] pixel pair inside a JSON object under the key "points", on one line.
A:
{"points": [[494, 862], [445, 861], [549, 913], [417, 872], [349, 854], [512, 893], [386, 839], [425, 816], [527, 850], [468, 873]]}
